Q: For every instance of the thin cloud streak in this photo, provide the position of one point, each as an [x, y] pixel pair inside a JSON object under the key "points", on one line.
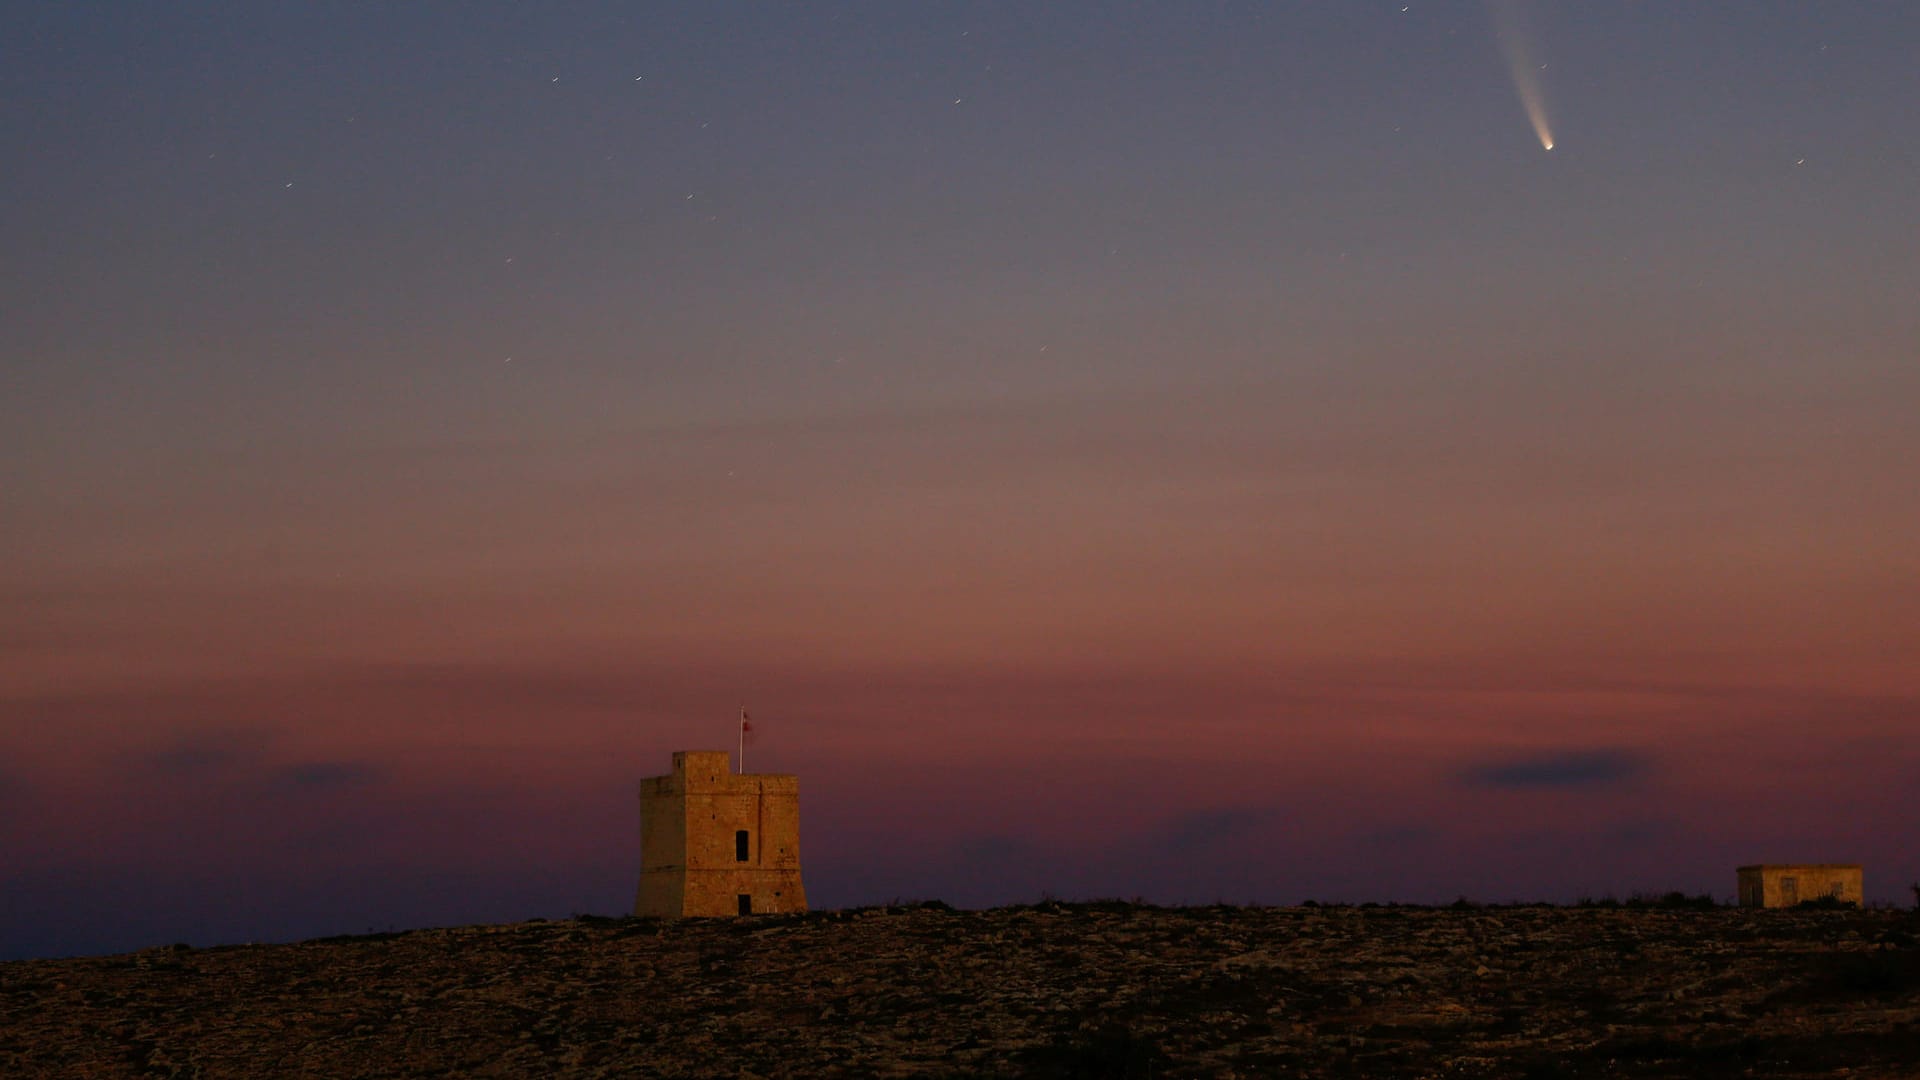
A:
{"points": [[324, 776], [1560, 769]]}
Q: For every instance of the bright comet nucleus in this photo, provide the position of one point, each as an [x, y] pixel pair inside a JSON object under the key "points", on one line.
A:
{"points": [[1509, 29]]}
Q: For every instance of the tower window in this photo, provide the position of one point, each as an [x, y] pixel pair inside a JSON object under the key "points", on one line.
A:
{"points": [[746, 903], [740, 846]]}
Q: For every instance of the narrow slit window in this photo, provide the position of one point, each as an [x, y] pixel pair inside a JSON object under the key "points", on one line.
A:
{"points": [[740, 846]]}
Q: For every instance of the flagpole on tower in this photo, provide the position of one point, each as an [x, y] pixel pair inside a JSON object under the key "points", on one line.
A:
{"points": [[742, 766]]}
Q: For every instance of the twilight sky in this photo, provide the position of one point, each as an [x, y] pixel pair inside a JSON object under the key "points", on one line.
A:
{"points": [[1197, 451]]}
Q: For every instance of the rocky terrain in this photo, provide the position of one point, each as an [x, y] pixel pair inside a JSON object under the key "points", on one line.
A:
{"points": [[1101, 989]]}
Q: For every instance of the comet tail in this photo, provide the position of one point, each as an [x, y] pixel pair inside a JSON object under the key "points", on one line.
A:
{"points": [[1510, 30]]}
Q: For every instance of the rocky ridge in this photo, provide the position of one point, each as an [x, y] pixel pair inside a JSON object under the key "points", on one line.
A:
{"points": [[1099, 989]]}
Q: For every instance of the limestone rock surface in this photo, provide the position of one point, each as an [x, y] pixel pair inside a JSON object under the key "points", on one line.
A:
{"points": [[1100, 989]]}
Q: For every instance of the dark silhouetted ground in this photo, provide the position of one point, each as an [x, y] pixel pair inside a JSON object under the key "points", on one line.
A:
{"points": [[1093, 990]]}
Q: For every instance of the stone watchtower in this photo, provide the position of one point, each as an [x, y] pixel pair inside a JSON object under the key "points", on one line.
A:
{"points": [[717, 842]]}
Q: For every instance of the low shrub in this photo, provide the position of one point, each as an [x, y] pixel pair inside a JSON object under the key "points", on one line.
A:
{"points": [[1111, 1053], [1674, 901]]}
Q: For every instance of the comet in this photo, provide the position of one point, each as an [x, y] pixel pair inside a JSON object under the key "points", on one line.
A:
{"points": [[1510, 31]]}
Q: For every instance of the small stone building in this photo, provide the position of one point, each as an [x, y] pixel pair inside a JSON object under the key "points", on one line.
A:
{"points": [[717, 842], [1787, 884]]}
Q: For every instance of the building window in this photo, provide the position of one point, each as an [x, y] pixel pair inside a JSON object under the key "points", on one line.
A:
{"points": [[740, 846], [746, 903]]}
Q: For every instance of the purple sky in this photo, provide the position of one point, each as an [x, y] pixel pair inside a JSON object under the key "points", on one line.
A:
{"points": [[1199, 451]]}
